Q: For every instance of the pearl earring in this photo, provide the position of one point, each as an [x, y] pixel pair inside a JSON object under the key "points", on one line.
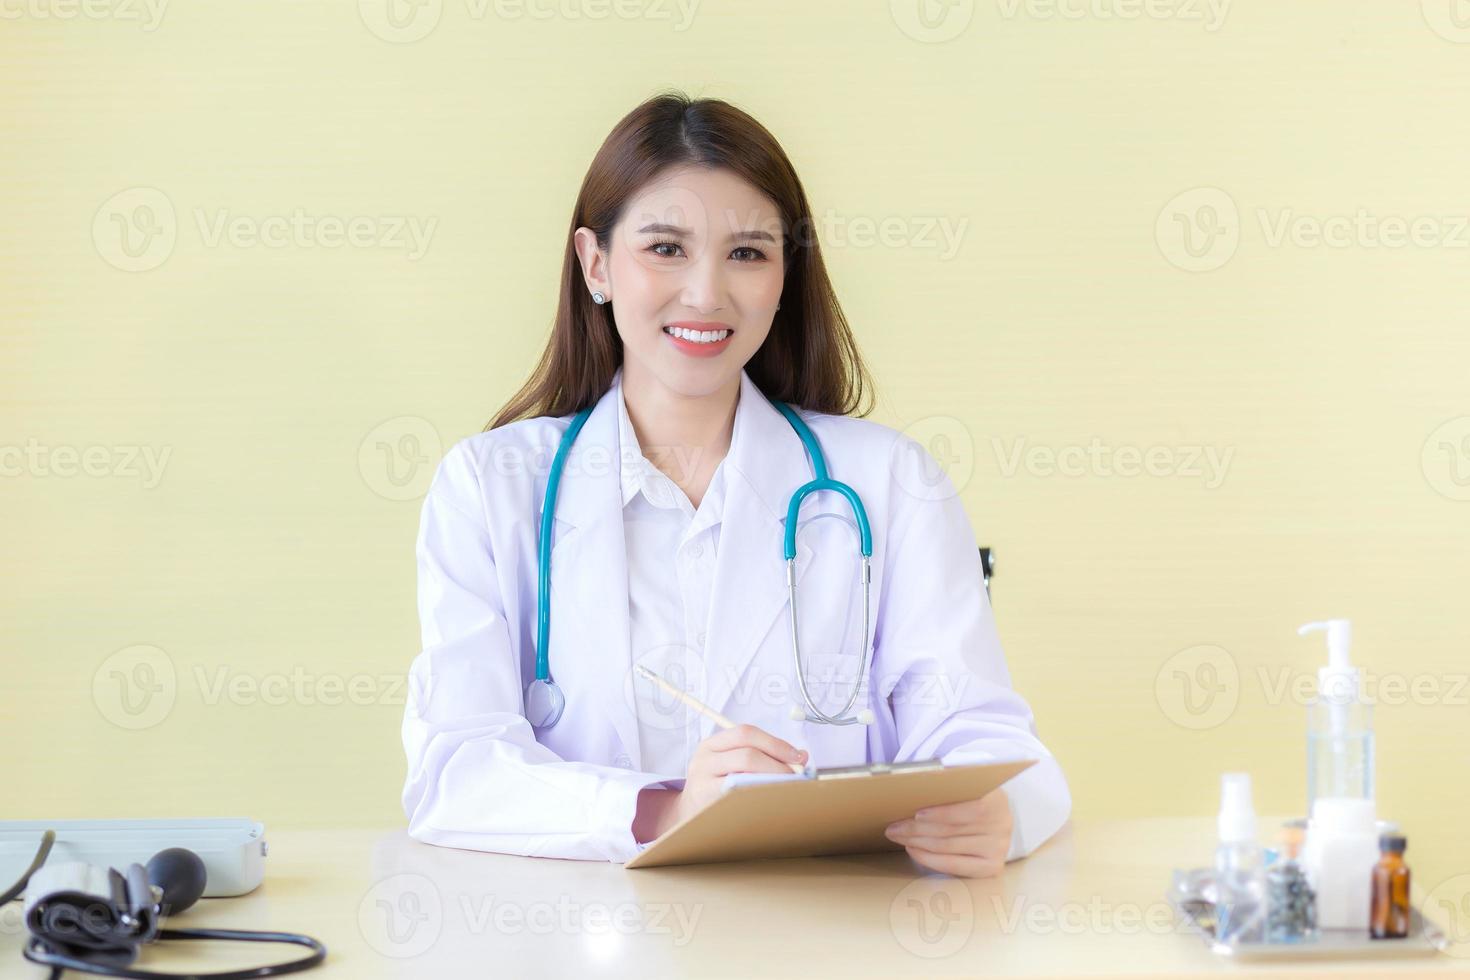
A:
{"points": [[598, 298]]}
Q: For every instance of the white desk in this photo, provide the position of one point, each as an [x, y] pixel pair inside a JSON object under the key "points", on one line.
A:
{"points": [[1090, 902]]}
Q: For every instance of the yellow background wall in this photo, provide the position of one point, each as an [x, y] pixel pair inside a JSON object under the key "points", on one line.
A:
{"points": [[1134, 200]]}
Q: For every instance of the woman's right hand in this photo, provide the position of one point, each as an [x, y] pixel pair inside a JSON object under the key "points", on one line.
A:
{"points": [[744, 748]]}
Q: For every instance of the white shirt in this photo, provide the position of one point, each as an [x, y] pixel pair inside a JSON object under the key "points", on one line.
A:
{"points": [[672, 547]]}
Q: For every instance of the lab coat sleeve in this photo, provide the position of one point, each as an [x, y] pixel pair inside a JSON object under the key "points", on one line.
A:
{"points": [[952, 697], [477, 777]]}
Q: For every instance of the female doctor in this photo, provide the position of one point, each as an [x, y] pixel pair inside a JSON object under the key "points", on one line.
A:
{"points": [[693, 297]]}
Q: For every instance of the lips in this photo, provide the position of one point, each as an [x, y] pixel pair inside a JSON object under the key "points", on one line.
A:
{"points": [[688, 337]]}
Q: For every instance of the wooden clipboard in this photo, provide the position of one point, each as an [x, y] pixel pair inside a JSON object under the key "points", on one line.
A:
{"points": [[838, 812]]}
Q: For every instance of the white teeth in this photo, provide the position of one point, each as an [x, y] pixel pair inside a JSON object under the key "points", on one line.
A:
{"points": [[698, 336]]}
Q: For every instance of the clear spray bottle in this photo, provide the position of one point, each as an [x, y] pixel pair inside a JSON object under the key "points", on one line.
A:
{"points": [[1240, 880]]}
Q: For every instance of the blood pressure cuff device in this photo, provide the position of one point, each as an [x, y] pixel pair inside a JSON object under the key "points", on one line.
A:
{"points": [[101, 914]]}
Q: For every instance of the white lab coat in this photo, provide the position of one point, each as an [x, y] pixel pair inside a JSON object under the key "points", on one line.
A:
{"points": [[480, 777]]}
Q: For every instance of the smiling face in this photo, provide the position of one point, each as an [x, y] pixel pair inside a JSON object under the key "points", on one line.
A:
{"points": [[693, 274]]}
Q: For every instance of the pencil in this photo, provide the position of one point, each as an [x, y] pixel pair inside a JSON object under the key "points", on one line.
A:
{"points": [[701, 707]]}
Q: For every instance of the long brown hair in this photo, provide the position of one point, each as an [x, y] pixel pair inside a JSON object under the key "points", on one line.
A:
{"points": [[809, 358]]}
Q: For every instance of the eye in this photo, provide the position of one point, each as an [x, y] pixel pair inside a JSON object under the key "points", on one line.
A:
{"points": [[755, 254]]}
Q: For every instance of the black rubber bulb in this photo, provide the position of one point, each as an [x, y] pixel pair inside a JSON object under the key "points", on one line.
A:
{"points": [[180, 873]]}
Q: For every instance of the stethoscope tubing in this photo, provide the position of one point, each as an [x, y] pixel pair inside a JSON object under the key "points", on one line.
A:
{"points": [[821, 481], [548, 522]]}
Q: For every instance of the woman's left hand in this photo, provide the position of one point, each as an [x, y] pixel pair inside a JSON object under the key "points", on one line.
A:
{"points": [[968, 839]]}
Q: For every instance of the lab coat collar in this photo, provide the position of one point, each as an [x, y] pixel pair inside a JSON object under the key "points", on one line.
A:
{"points": [[765, 465], [632, 466], [639, 475], [764, 452]]}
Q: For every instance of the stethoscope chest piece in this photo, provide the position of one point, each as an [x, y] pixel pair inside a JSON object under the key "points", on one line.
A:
{"points": [[544, 703]]}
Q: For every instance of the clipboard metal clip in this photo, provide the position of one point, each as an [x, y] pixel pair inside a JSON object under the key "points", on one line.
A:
{"points": [[878, 769]]}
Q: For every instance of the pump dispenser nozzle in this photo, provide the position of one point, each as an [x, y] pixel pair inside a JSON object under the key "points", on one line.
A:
{"points": [[1337, 683]]}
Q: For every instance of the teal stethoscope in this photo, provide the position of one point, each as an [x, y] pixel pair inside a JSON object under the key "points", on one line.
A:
{"points": [[545, 701]]}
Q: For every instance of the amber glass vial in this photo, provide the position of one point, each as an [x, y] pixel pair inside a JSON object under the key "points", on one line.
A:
{"points": [[1390, 918]]}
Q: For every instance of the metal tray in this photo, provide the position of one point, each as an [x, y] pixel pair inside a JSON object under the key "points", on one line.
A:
{"points": [[1425, 938]]}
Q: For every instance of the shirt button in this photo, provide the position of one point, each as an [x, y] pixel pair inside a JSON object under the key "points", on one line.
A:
{"points": [[697, 551], [623, 762], [699, 640]]}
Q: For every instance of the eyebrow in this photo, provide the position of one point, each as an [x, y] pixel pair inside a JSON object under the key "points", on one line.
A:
{"points": [[663, 229]]}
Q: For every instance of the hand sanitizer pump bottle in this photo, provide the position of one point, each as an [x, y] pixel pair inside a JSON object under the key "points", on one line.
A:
{"points": [[1341, 836], [1339, 724], [1240, 878]]}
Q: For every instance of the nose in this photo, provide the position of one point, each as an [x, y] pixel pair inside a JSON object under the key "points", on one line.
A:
{"points": [[704, 287]]}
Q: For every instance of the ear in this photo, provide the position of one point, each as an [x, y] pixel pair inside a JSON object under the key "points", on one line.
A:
{"points": [[594, 262]]}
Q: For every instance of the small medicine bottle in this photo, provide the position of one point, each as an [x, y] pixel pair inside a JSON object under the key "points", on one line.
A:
{"points": [[1390, 918]]}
